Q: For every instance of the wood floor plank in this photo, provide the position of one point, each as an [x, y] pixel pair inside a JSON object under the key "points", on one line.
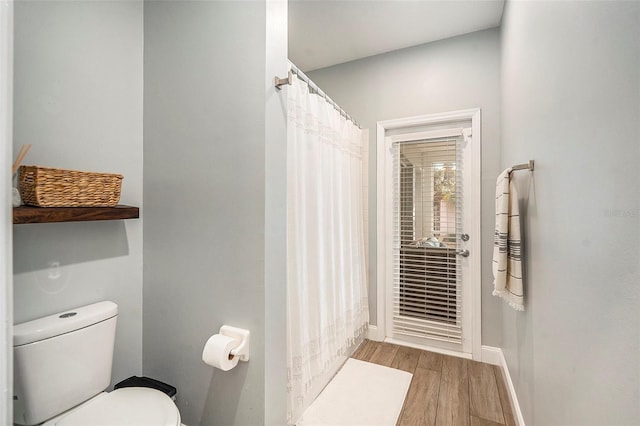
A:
{"points": [[454, 368], [477, 421], [384, 353], [453, 399], [445, 390], [360, 350], [406, 359], [422, 399], [365, 350], [430, 360], [484, 399], [505, 401]]}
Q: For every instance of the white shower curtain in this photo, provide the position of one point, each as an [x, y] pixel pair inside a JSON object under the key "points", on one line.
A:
{"points": [[327, 308]]}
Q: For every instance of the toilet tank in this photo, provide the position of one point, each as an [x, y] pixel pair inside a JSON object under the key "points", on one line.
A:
{"points": [[62, 360]]}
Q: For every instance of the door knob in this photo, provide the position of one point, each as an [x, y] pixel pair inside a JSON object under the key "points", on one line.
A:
{"points": [[463, 253]]}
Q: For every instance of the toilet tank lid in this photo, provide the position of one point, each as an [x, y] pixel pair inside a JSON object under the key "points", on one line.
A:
{"points": [[62, 322]]}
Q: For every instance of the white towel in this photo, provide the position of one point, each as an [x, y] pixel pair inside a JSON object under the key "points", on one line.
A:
{"points": [[507, 246]]}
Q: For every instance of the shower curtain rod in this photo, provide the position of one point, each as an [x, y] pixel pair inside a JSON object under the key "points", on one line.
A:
{"points": [[313, 88]]}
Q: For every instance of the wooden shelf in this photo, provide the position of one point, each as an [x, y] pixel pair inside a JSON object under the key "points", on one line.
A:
{"points": [[28, 214]]}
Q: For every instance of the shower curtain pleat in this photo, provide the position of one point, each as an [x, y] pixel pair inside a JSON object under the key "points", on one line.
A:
{"points": [[327, 307]]}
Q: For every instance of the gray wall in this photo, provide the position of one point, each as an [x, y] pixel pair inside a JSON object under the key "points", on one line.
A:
{"points": [[571, 102], [204, 177], [453, 74], [78, 100]]}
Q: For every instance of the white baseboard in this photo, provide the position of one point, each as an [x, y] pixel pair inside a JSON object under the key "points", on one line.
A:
{"points": [[494, 356], [372, 334], [428, 348], [491, 355]]}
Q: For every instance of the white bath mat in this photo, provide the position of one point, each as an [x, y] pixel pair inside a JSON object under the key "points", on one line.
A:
{"points": [[361, 393]]}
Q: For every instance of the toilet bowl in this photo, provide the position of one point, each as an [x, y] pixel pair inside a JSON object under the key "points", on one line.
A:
{"points": [[122, 407], [62, 366]]}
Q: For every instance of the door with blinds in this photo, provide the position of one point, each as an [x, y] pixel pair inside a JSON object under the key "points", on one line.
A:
{"points": [[426, 301]]}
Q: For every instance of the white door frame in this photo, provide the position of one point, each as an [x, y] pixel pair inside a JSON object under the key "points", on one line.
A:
{"points": [[385, 216], [6, 212]]}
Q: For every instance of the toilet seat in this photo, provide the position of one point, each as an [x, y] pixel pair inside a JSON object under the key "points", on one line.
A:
{"points": [[122, 407]]}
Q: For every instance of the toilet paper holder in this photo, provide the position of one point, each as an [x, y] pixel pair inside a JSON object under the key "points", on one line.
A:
{"points": [[242, 337]]}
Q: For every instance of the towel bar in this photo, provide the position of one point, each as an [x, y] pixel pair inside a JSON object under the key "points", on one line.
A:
{"points": [[525, 166]]}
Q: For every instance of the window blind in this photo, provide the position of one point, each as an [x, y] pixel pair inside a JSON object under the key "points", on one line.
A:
{"points": [[427, 221]]}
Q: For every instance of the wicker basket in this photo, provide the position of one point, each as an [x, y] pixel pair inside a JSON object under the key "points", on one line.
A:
{"points": [[46, 187]]}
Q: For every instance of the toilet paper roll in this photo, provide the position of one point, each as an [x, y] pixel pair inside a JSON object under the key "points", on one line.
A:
{"points": [[217, 352]]}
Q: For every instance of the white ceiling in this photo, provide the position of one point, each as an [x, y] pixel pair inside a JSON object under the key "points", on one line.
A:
{"points": [[329, 32]]}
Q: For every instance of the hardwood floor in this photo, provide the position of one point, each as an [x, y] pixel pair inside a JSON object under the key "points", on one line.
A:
{"points": [[445, 390]]}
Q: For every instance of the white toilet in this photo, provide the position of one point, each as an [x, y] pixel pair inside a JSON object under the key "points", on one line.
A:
{"points": [[62, 365]]}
